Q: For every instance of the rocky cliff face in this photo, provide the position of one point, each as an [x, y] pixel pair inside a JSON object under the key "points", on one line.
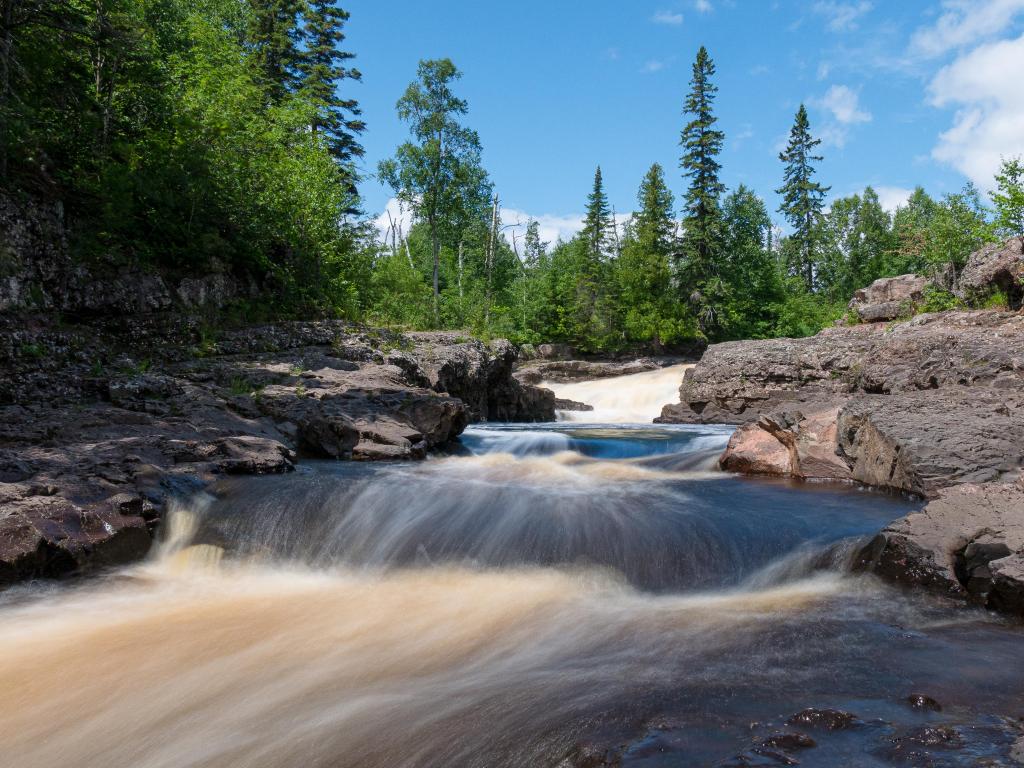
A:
{"points": [[932, 406], [101, 425]]}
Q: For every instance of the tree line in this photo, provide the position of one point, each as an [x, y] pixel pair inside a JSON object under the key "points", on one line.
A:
{"points": [[717, 268], [199, 135]]}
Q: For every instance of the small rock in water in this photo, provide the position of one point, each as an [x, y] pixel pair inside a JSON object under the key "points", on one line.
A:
{"points": [[936, 736], [920, 701], [829, 719], [789, 741]]}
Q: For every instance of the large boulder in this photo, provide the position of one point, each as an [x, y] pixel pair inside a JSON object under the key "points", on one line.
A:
{"points": [[995, 268], [888, 298]]}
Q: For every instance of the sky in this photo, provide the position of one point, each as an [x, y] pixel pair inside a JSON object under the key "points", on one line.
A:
{"points": [[901, 92]]}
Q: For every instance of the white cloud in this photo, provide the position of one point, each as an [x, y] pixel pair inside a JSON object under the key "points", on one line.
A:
{"points": [[892, 198], [840, 16], [964, 23], [654, 65], [704, 6], [551, 226], [987, 88], [844, 104], [668, 17]]}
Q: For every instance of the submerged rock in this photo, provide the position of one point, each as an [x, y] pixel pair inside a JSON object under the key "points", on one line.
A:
{"points": [[826, 719]]}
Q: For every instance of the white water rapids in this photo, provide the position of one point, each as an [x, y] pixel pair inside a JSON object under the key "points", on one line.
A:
{"points": [[633, 399]]}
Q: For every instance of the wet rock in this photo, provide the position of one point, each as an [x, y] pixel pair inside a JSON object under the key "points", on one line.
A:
{"points": [[49, 536], [789, 741], [826, 719], [888, 298], [967, 543], [921, 701], [562, 371], [997, 267], [591, 756], [563, 404]]}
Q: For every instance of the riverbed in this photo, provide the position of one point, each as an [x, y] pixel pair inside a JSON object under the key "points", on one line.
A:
{"points": [[567, 594]]}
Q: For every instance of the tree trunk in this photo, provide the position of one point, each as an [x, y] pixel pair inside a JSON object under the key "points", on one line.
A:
{"points": [[435, 245], [460, 270], [489, 260]]}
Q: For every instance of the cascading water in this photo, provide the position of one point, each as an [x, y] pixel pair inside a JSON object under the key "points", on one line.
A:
{"points": [[555, 595], [636, 398]]}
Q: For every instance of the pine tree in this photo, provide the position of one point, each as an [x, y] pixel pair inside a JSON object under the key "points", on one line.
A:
{"points": [[597, 224], [274, 34], [802, 197], [324, 70], [702, 144]]}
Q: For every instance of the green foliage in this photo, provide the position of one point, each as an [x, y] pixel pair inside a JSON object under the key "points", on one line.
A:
{"points": [[1009, 197], [938, 299], [998, 299], [179, 133], [438, 174]]}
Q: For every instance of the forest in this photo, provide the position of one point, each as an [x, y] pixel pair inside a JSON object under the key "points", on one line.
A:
{"points": [[215, 135]]}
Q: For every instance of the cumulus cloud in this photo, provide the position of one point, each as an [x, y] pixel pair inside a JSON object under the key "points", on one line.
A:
{"points": [[842, 16], [986, 88], [842, 103], [704, 6], [964, 23], [668, 17], [892, 198]]}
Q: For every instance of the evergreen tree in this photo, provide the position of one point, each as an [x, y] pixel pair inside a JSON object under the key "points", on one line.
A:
{"points": [[274, 35], [802, 197], [324, 70], [653, 225], [534, 249], [748, 267], [702, 143], [597, 224], [650, 311]]}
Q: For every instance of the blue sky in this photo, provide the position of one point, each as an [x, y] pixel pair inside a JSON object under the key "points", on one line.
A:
{"points": [[911, 92]]}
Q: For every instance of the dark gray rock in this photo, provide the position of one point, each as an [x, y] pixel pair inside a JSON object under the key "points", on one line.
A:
{"points": [[967, 543], [995, 268], [737, 381]]}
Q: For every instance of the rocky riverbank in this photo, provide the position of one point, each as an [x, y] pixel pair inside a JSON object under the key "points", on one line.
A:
{"points": [[100, 425], [932, 406]]}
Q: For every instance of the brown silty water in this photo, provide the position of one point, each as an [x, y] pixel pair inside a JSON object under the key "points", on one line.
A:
{"points": [[557, 595]]}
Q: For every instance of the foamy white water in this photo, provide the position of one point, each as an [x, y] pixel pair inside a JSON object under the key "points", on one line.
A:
{"points": [[634, 399]]}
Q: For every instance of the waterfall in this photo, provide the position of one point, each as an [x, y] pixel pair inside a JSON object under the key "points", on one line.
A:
{"points": [[633, 399]]}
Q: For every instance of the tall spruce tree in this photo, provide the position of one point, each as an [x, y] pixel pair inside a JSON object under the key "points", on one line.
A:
{"points": [[802, 197], [702, 143], [597, 225], [324, 71], [653, 225], [274, 34]]}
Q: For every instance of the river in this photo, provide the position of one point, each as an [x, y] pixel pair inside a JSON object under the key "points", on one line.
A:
{"points": [[568, 594]]}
